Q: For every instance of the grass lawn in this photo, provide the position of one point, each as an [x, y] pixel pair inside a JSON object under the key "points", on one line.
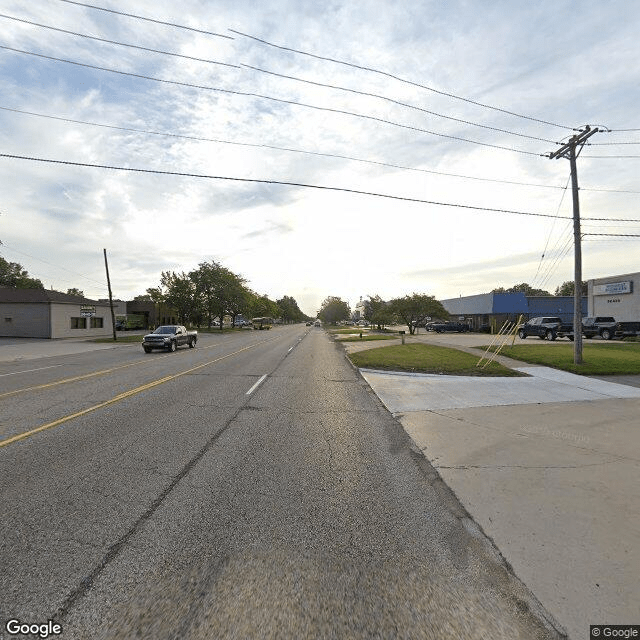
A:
{"points": [[598, 359], [366, 337], [426, 358], [351, 330]]}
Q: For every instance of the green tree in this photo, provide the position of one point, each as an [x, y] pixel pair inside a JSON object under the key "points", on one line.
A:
{"points": [[377, 311], [567, 288], [289, 310], [219, 291], [414, 309], [179, 293], [14, 275], [263, 307], [75, 292], [334, 309], [525, 288]]}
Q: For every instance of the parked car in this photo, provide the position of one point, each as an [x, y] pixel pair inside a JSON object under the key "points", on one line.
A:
{"points": [[169, 337], [451, 327], [603, 326], [608, 328], [546, 328]]}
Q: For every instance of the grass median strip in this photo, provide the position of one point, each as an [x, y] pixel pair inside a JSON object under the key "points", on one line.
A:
{"points": [[365, 338], [424, 358], [598, 359]]}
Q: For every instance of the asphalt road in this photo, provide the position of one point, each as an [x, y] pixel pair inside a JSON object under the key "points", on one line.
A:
{"points": [[253, 487]]}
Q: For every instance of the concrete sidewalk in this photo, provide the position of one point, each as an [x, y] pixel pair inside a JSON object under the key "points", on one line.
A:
{"points": [[549, 467], [19, 349]]}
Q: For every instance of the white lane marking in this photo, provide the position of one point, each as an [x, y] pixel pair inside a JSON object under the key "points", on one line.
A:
{"points": [[15, 373], [256, 385]]}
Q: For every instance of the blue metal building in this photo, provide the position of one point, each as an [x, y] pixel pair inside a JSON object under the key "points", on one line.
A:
{"points": [[489, 311]]}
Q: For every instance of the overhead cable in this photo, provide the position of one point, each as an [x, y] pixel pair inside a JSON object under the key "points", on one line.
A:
{"points": [[397, 102], [301, 151], [270, 98], [299, 184], [288, 77], [403, 80], [120, 44], [131, 15]]}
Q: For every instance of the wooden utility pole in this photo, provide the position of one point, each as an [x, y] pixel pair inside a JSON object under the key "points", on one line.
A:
{"points": [[113, 317], [568, 150]]}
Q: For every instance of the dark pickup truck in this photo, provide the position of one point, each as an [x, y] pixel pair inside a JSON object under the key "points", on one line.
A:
{"points": [[546, 328], [452, 327], [607, 328], [169, 337]]}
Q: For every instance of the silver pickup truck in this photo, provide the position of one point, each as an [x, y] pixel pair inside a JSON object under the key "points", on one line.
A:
{"points": [[169, 337]]}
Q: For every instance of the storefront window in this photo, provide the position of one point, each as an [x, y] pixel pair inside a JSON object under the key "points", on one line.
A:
{"points": [[97, 323], [78, 323]]}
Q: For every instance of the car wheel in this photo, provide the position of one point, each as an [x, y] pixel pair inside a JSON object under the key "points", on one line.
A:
{"points": [[550, 335], [192, 343], [521, 334], [570, 338], [606, 334], [147, 349], [172, 345]]}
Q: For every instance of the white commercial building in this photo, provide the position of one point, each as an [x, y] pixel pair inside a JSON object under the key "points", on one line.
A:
{"points": [[616, 296], [40, 313]]}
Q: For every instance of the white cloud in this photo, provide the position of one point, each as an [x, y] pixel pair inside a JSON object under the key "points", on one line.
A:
{"points": [[541, 59]]}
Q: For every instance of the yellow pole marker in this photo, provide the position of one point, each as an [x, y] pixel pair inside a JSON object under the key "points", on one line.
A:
{"points": [[121, 396]]}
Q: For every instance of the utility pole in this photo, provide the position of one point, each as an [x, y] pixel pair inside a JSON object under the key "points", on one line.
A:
{"points": [[113, 317], [568, 150]]}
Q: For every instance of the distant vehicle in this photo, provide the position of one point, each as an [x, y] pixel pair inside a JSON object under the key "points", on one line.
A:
{"points": [[546, 328], [169, 337], [309, 323], [130, 322], [262, 323], [451, 327], [317, 323]]}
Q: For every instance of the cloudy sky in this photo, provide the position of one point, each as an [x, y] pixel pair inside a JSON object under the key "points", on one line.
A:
{"points": [[447, 106]]}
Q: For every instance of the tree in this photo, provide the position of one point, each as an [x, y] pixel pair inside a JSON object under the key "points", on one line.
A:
{"points": [[377, 311], [289, 310], [414, 309], [14, 275], [219, 291], [263, 307], [525, 288], [567, 288], [75, 292], [179, 294], [334, 309]]}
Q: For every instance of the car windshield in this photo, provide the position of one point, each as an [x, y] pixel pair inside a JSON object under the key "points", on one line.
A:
{"points": [[165, 330]]}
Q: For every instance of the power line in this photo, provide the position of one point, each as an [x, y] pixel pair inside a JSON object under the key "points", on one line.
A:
{"points": [[619, 235], [302, 185], [288, 77], [552, 227], [301, 151], [75, 273], [396, 102], [131, 15], [264, 97], [395, 77], [284, 183], [120, 44]]}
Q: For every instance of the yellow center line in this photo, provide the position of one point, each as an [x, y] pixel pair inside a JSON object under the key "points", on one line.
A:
{"points": [[122, 396], [102, 372]]}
